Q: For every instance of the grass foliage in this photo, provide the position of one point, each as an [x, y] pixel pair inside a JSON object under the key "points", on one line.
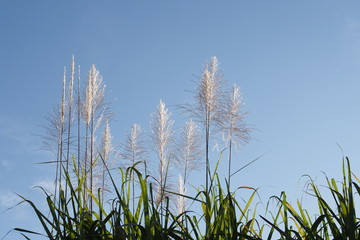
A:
{"points": [[116, 219], [95, 199], [336, 218], [230, 219]]}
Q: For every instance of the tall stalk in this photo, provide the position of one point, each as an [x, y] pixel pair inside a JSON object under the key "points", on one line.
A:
{"points": [[161, 135], [206, 110], [94, 112], [62, 121], [70, 103], [91, 165], [53, 140], [107, 152], [78, 126], [188, 157], [59, 165], [87, 118], [235, 131], [134, 150], [181, 201]]}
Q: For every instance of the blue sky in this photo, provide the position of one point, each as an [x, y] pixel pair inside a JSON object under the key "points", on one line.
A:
{"points": [[297, 63]]}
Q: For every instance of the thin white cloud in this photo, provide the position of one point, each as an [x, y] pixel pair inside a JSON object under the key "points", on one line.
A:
{"points": [[46, 184], [8, 199], [352, 25], [17, 137], [352, 32], [5, 163]]}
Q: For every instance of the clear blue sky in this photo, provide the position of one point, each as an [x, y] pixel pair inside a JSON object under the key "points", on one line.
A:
{"points": [[297, 63]]}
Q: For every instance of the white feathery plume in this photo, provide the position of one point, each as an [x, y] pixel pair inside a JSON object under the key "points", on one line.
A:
{"points": [[161, 135], [63, 98], [181, 201], [233, 126], [94, 110], [79, 109], [62, 119], [59, 164], [188, 150], [94, 97], [71, 84], [134, 149], [188, 158], [52, 137], [107, 152], [69, 114], [234, 129], [107, 147], [88, 100], [53, 140], [208, 94]]}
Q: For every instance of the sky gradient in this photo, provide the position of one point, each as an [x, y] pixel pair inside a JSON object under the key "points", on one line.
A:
{"points": [[297, 64]]}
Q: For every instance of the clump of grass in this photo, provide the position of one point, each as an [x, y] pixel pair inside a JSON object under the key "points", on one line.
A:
{"points": [[71, 220], [79, 209], [339, 222], [228, 218], [151, 206]]}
